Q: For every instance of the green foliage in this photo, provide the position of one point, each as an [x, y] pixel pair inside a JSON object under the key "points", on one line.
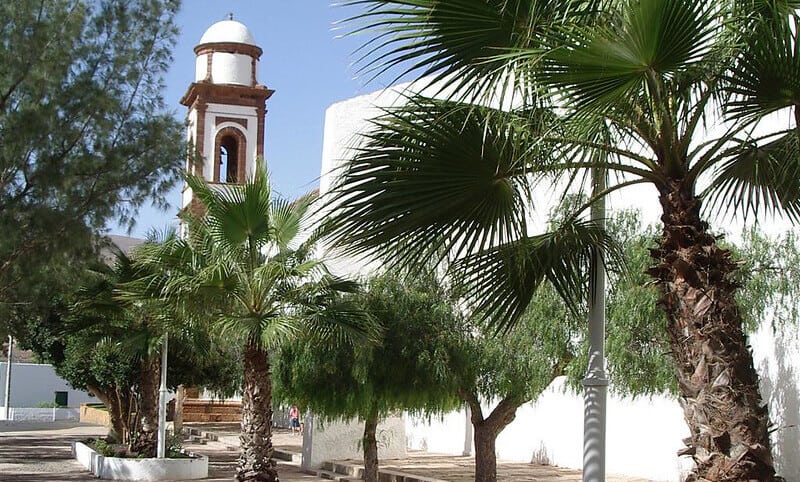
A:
{"points": [[770, 278], [248, 267], [84, 136], [458, 175], [104, 448], [521, 364], [408, 369]]}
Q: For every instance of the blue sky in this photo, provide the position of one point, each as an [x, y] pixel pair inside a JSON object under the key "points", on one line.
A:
{"points": [[304, 62]]}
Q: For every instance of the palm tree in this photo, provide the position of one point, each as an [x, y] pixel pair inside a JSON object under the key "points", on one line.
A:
{"points": [[672, 93], [136, 329], [245, 264]]}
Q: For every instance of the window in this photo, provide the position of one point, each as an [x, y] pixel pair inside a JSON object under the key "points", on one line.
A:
{"points": [[230, 151]]}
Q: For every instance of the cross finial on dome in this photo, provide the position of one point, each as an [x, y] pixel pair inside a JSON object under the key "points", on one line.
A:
{"points": [[230, 15]]}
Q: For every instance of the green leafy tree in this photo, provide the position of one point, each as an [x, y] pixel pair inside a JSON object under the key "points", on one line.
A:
{"points": [[123, 340], [511, 369], [244, 264], [84, 136], [676, 94], [407, 370]]}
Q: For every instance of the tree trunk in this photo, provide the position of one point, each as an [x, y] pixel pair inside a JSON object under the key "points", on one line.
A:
{"points": [[116, 434], [177, 419], [146, 440], [486, 431], [370, 443], [716, 376], [255, 458]]}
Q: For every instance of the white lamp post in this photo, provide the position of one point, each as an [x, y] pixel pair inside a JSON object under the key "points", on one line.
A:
{"points": [[162, 403], [7, 400], [596, 381]]}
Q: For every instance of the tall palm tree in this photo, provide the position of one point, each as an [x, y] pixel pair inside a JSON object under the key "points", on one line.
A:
{"points": [[247, 262], [672, 93]]}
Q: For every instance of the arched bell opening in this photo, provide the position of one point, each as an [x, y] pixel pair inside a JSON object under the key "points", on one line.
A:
{"points": [[230, 156]]}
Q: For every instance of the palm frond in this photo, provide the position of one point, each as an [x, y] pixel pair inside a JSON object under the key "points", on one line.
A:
{"points": [[288, 219], [460, 43], [499, 283], [444, 175], [236, 213], [766, 75], [758, 179], [600, 66]]}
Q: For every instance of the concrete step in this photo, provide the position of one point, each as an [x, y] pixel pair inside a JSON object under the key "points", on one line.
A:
{"points": [[287, 456], [325, 474], [351, 472], [194, 432], [193, 439]]}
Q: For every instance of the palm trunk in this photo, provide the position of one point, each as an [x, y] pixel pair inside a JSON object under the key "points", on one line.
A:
{"points": [[716, 376], [370, 444], [255, 458], [486, 431], [146, 440]]}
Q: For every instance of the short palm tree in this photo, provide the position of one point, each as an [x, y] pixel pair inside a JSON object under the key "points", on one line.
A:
{"points": [[136, 329], [247, 263], [676, 94]]}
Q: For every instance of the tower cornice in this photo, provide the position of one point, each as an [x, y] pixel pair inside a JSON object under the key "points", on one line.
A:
{"points": [[229, 47], [205, 92]]}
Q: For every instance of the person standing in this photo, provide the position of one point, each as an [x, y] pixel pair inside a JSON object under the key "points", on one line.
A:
{"points": [[294, 419]]}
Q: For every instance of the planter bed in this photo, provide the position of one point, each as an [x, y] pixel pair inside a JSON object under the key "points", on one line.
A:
{"points": [[116, 468]]}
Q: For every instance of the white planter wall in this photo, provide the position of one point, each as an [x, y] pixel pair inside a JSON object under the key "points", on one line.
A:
{"points": [[116, 468]]}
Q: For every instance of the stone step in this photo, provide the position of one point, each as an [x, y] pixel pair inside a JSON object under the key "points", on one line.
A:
{"points": [[287, 456], [194, 432], [193, 439], [353, 472], [325, 474]]}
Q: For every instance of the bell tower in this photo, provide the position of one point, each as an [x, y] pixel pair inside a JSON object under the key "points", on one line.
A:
{"points": [[226, 106]]}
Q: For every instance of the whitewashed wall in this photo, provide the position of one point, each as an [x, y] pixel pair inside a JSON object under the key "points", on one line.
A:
{"points": [[644, 434], [39, 414], [340, 440], [32, 384]]}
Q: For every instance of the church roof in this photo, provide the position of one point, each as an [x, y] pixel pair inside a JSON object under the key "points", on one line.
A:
{"points": [[228, 31]]}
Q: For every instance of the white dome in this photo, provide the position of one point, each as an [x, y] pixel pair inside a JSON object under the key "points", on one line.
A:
{"points": [[228, 31]]}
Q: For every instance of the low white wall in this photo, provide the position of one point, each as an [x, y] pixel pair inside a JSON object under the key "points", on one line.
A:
{"points": [[643, 434], [338, 440], [40, 414], [32, 384], [139, 469]]}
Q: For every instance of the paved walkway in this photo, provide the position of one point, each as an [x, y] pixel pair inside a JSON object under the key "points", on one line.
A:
{"points": [[437, 466], [40, 452]]}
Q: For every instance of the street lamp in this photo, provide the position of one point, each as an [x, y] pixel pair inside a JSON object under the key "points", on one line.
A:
{"points": [[596, 381]]}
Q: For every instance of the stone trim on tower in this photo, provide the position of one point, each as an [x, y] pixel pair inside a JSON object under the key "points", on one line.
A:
{"points": [[229, 47], [200, 140]]}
